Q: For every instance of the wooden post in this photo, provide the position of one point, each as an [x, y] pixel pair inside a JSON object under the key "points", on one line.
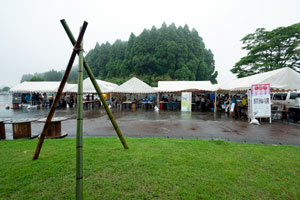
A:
{"points": [[59, 92], [97, 88], [2, 130], [79, 169], [15, 106]]}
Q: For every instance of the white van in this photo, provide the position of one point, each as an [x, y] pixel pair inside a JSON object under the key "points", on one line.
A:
{"points": [[284, 98]]}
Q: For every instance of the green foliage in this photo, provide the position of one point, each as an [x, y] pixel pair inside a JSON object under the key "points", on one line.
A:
{"points": [[52, 75], [4, 89], [153, 168], [167, 53], [269, 50], [73, 81], [27, 77], [36, 78]]}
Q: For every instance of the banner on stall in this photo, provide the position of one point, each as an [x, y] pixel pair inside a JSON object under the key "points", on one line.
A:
{"points": [[186, 101], [260, 100]]}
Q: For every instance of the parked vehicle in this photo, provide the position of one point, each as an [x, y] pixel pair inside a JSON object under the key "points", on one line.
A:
{"points": [[286, 99]]}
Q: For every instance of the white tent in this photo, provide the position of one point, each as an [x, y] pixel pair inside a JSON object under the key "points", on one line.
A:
{"points": [[36, 86], [134, 86], [69, 86], [88, 87], [180, 86], [279, 80]]}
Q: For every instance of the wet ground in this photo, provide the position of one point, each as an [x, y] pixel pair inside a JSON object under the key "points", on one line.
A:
{"points": [[194, 125]]}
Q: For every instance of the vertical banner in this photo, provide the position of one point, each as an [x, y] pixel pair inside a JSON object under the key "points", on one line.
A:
{"points": [[249, 99], [186, 101], [260, 101]]}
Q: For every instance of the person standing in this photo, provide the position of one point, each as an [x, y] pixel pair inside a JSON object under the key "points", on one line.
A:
{"points": [[197, 100], [45, 100], [227, 104], [233, 107], [243, 107], [202, 103], [27, 98], [297, 104]]}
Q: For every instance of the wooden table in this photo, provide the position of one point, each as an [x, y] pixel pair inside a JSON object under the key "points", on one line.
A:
{"points": [[129, 103], [21, 128], [90, 103], [146, 105], [54, 130], [2, 130]]}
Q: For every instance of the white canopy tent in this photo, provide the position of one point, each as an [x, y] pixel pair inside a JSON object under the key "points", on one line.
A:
{"points": [[283, 79], [68, 87], [88, 87], [40, 87], [134, 86], [180, 86], [36, 86]]}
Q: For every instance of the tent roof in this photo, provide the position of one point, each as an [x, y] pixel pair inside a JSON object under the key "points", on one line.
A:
{"points": [[88, 87], [69, 86], [134, 86], [280, 79], [36, 86], [179, 86]]}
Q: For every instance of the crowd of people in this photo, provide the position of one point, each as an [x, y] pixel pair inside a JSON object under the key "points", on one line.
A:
{"points": [[235, 106], [42, 100]]}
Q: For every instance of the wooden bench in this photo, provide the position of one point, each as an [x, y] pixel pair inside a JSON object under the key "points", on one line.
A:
{"points": [[21, 127], [2, 130], [54, 130]]}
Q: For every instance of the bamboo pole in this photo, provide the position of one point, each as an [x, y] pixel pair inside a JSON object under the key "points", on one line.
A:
{"points": [[79, 168], [97, 88], [59, 92]]}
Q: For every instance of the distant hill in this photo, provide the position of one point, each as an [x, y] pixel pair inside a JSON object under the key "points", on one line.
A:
{"points": [[167, 53], [51, 75]]}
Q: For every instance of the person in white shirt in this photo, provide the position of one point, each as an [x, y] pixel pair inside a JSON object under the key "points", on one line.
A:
{"points": [[297, 101], [297, 104]]}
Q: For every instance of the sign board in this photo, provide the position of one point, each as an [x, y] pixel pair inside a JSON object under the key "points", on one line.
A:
{"points": [[186, 101], [249, 99], [260, 100]]}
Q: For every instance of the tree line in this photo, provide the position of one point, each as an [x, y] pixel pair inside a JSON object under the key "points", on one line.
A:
{"points": [[171, 53], [167, 53], [51, 75], [4, 89]]}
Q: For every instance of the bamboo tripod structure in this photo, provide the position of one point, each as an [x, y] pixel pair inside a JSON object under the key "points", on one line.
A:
{"points": [[82, 63], [79, 163]]}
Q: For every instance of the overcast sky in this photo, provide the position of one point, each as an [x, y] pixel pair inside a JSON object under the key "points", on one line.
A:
{"points": [[33, 40]]}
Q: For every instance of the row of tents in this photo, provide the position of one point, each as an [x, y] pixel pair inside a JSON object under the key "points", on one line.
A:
{"points": [[284, 79]]}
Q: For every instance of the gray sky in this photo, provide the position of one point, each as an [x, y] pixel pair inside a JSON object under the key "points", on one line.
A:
{"points": [[33, 39]]}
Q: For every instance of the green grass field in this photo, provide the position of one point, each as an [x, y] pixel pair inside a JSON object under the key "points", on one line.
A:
{"points": [[153, 168]]}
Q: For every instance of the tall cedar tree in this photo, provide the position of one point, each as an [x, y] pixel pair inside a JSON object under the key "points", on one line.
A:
{"points": [[269, 50], [167, 53]]}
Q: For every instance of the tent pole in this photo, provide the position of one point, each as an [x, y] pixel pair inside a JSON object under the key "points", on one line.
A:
{"points": [[215, 106], [59, 92], [157, 100], [97, 88], [110, 98]]}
